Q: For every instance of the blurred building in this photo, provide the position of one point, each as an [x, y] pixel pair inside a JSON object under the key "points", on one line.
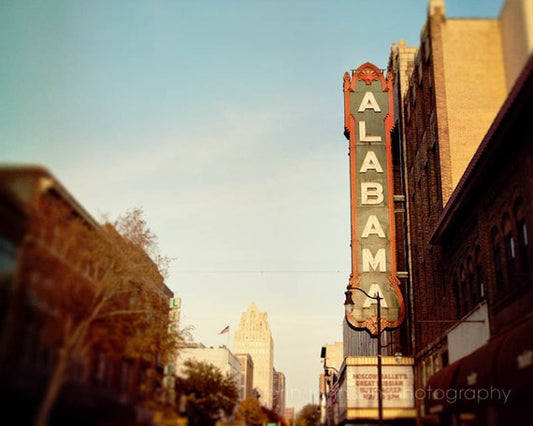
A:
{"points": [[332, 356], [36, 249], [253, 336], [278, 394], [247, 376], [221, 357], [289, 415]]}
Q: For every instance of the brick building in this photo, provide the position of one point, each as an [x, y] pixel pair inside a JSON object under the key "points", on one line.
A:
{"points": [[462, 177], [39, 256], [485, 237], [461, 100]]}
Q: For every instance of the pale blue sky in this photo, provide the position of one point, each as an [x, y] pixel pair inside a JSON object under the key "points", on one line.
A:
{"points": [[223, 120]]}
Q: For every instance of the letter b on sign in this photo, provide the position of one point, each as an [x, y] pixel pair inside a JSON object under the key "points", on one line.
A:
{"points": [[371, 193]]}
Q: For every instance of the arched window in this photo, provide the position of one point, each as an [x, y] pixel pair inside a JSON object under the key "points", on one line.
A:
{"points": [[472, 287], [522, 244], [456, 291], [510, 249], [497, 259], [463, 292], [480, 279]]}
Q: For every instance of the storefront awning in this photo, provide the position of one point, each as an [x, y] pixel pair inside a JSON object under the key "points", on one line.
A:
{"points": [[437, 387], [514, 369], [499, 372], [477, 369]]}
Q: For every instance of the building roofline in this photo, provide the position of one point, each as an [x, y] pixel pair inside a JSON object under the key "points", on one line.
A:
{"points": [[486, 153], [53, 184]]}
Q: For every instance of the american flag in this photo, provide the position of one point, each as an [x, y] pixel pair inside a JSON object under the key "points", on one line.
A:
{"points": [[225, 330]]}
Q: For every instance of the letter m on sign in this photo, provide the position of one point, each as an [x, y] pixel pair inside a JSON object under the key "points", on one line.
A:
{"points": [[377, 262]]}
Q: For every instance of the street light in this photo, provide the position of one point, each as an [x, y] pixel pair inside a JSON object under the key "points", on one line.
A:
{"points": [[348, 307]]}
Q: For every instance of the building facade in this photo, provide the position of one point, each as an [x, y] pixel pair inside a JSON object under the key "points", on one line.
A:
{"points": [[463, 175], [278, 394], [222, 358], [467, 241], [253, 336], [289, 415], [48, 266], [247, 375], [485, 237]]}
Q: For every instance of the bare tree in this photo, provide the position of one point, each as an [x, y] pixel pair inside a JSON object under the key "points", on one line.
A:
{"points": [[95, 285]]}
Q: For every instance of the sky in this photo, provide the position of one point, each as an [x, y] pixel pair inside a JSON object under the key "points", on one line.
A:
{"points": [[223, 122]]}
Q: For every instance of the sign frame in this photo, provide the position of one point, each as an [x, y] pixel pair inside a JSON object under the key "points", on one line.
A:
{"points": [[368, 122]]}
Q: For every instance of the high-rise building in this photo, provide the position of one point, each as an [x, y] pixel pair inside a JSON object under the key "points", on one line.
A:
{"points": [[247, 375], [278, 393], [253, 336]]}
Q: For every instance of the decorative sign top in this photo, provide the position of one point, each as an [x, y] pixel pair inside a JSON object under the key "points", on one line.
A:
{"points": [[368, 123]]}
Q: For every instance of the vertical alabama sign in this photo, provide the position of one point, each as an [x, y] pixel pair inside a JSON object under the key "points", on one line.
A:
{"points": [[368, 121]]}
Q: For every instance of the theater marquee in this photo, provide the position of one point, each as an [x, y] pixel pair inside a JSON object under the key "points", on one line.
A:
{"points": [[368, 122], [361, 388]]}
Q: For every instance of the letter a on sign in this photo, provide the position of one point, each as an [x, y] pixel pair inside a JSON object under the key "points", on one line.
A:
{"points": [[372, 227], [371, 162], [369, 102]]}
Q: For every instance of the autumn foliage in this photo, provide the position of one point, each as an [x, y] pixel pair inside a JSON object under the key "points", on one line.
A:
{"points": [[208, 392], [94, 287]]}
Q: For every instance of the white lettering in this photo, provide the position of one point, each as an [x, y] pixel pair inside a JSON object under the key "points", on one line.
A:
{"points": [[371, 193], [369, 102], [373, 227], [371, 162], [362, 134], [373, 290], [374, 262]]}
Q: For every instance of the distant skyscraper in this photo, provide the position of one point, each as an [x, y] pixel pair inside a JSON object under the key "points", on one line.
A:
{"points": [[253, 336], [278, 393], [289, 414], [247, 375]]}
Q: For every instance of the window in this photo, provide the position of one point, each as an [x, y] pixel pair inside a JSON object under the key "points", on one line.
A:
{"points": [[472, 286], [497, 259], [510, 252], [522, 244], [463, 293], [480, 289], [523, 229], [8, 256], [100, 376], [510, 247], [125, 376], [457, 295]]}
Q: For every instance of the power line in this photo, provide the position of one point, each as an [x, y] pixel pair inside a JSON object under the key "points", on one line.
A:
{"points": [[258, 271]]}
